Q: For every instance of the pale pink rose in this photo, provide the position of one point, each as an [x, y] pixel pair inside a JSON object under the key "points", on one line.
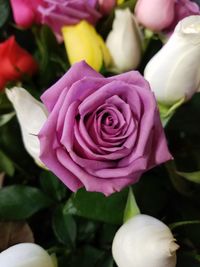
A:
{"points": [[158, 15], [155, 14], [183, 9]]}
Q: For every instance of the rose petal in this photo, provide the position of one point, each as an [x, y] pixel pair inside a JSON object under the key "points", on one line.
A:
{"points": [[131, 78], [87, 86], [76, 72], [92, 183], [48, 153]]}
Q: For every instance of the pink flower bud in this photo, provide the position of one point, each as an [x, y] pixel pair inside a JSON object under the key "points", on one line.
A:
{"points": [[155, 14]]}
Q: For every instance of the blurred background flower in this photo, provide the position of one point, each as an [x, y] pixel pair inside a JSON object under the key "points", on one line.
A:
{"points": [[26, 12], [59, 13], [163, 15], [106, 6], [174, 73], [124, 42], [82, 42], [26, 255], [15, 62]]}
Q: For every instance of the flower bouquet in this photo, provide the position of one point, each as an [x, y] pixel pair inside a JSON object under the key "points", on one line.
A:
{"points": [[99, 146]]}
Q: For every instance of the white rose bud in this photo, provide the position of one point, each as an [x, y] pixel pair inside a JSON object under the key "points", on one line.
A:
{"points": [[25, 255], [124, 41], [144, 241], [174, 72], [31, 115]]}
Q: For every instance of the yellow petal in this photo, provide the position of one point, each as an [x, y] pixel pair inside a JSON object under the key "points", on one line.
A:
{"points": [[119, 2], [82, 43]]}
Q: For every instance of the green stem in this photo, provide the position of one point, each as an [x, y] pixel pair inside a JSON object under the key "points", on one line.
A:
{"points": [[183, 223]]}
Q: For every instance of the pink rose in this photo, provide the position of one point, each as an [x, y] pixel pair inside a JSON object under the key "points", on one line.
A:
{"points": [[155, 14], [54, 13], [101, 133], [58, 13], [25, 12], [160, 15], [183, 9]]}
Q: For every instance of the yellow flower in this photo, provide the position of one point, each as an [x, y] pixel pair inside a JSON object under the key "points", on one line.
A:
{"points": [[119, 2], [82, 42]]}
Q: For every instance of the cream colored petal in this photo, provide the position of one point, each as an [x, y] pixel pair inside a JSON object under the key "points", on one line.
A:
{"points": [[124, 42], [25, 255], [174, 73], [31, 115]]}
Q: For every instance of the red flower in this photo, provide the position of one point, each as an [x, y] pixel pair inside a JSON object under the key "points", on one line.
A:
{"points": [[15, 62]]}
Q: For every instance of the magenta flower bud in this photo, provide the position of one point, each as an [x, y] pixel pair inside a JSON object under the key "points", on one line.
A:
{"points": [[25, 12], [59, 13], [106, 6]]}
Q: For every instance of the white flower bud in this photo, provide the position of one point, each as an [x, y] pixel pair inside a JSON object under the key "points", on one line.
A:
{"points": [[25, 255], [124, 41], [144, 241], [174, 72], [31, 115]]}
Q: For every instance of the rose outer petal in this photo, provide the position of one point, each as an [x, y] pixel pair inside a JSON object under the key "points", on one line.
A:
{"points": [[48, 153], [131, 78], [76, 73], [92, 183]]}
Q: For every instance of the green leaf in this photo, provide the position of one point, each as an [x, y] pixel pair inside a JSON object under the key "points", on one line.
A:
{"points": [[131, 208], [6, 165], [191, 176], [4, 7], [179, 183], [187, 259], [51, 56], [52, 185], [5, 104], [12, 146], [64, 227], [86, 230], [151, 193], [106, 261], [128, 4], [97, 207], [148, 35], [87, 256], [6, 118], [18, 202], [166, 112]]}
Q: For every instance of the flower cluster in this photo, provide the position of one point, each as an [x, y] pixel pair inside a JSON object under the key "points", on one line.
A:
{"points": [[93, 84], [103, 133]]}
